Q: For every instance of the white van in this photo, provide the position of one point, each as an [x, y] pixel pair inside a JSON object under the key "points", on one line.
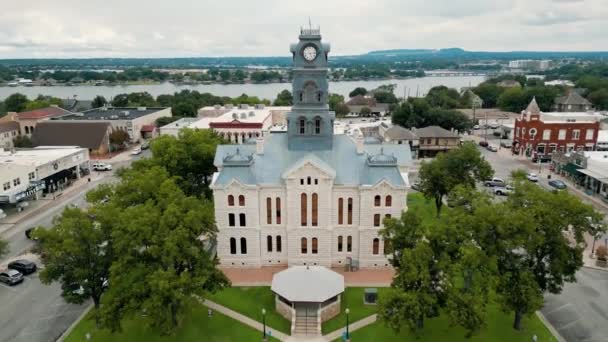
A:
{"points": [[98, 166]]}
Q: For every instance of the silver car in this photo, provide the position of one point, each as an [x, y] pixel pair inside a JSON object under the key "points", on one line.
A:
{"points": [[11, 277]]}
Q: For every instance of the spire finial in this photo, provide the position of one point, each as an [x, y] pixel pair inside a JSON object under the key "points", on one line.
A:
{"points": [[309, 23]]}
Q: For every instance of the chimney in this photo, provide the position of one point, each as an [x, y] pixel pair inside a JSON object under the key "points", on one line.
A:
{"points": [[259, 145], [359, 143]]}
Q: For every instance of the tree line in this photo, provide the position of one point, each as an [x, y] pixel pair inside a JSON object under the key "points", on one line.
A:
{"points": [[480, 251]]}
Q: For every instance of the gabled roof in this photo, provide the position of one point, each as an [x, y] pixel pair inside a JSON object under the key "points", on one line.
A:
{"points": [[361, 100], [435, 132], [42, 113], [147, 128], [533, 107], [71, 133], [9, 126], [572, 98], [397, 132], [315, 161]]}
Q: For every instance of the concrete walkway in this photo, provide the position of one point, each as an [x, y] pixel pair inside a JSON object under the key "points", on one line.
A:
{"points": [[354, 326], [243, 319]]}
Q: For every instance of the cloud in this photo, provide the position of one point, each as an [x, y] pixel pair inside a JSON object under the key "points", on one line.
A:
{"points": [[156, 28]]}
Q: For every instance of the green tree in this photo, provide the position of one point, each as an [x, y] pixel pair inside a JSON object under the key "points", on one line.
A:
{"points": [[160, 261], [333, 100], [42, 102], [512, 100], [366, 111], [118, 138], [357, 91], [545, 96], [165, 120], [462, 166], [77, 252], [489, 93], [284, 98], [341, 110], [99, 101], [15, 102], [443, 97], [385, 97], [4, 248], [22, 141], [599, 98]]}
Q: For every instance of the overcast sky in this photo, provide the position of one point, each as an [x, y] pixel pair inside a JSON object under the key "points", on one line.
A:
{"points": [[181, 28]]}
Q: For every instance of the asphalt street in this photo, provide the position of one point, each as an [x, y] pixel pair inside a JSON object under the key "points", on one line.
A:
{"points": [[31, 311]]}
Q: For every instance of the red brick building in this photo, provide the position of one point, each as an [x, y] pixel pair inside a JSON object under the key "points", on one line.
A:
{"points": [[538, 133]]}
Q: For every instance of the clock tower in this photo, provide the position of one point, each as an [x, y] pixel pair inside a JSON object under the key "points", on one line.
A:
{"points": [[310, 123]]}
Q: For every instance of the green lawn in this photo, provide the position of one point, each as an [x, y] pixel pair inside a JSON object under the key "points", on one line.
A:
{"points": [[424, 207], [249, 301], [438, 329], [197, 326], [352, 298]]}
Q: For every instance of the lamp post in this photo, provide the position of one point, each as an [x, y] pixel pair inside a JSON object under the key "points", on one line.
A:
{"points": [[347, 311], [264, 324]]}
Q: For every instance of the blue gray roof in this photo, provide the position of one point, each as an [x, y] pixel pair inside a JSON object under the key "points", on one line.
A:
{"points": [[342, 161]]}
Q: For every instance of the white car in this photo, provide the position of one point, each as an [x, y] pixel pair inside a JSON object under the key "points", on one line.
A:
{"points": [[102, 167], [532, 177], [503, 191], [136, 151]]}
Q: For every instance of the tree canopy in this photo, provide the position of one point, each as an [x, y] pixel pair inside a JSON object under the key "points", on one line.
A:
{"points": [[284, 98], [358, 91]]}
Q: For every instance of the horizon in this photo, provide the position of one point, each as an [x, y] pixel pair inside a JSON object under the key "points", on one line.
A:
{"points": [[71, 29]]}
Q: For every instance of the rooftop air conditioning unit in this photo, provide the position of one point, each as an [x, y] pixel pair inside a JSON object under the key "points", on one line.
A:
{"points": [[259, 106], [114, 117], [141, 108], [251, 114], [125, 113], [243, 115], [228, 106], [235, 116], [217, 106], [244, 106]]}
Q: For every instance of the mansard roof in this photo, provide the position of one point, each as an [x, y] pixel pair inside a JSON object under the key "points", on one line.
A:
{"points": [[350, 168], [572, 98]]}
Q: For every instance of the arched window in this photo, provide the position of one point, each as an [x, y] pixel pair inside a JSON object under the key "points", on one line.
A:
{"points": [[304, 245], [350, 211], [377, 201], [376, 246], [340, 243], [319, 96], [269, 243], [315, 210], [302, 127], [242, 221], [278, 209], [388, 201], [268, 210], [318, 126], [376, 220], [230, 200], [387, 216], [241, 200], [387, 247], [303, 209], [243, 245], [231, 220], [279, 246], [232, 246], [349, 243], [340, 210], [315, 246], [27, 130]]}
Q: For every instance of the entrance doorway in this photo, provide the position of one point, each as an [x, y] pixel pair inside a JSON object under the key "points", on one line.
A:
{"points": [[306, 318]]}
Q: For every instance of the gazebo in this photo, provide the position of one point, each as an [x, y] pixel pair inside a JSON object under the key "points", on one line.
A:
{"points": [[310, 293]]}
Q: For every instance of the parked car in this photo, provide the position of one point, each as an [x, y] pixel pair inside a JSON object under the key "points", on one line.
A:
{"points": [[145, 145], [416, 186], [492, 148], [102, 167], [136, 151], [495, 182], [557, 184], [483, 143], [506, 144], [532, 177], [503, 190], [24, 266], [494, 125], [11, 277], [476, 127]]}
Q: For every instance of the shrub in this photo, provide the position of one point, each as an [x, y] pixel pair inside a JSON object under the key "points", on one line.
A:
{"points": [[601, 252]]}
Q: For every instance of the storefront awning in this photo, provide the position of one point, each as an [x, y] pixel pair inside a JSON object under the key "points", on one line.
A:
{"points": [[595, 174], [571, 168]]}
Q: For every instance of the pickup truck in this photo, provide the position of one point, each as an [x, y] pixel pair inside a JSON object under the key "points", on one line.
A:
{"points": [[495, 182]]}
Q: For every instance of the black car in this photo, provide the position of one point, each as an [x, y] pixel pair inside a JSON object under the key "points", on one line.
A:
{"points": [[23, 266], [483, 143], [542, 159], [558, 184]]}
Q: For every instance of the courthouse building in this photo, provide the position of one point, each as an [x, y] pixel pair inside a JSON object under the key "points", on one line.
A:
{"points": [[307, 196]]}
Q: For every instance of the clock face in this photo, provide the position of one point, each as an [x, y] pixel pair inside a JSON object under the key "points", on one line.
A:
{"points": [[309, 53]]}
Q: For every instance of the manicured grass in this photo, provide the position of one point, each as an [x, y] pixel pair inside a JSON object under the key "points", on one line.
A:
{"points": [[498, 329], [423, 206], [197, 326], [352, 298], [249, 301]]}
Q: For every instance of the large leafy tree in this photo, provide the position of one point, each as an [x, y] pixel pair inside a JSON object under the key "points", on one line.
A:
{"points": [[357, 91], [462, 166], [189, 157], [15, 102], [161, 262], [77, 252], [99, 101], [284, 98]]}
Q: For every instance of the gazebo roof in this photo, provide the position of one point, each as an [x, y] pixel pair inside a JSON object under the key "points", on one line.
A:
{"points": [[307, 284]]}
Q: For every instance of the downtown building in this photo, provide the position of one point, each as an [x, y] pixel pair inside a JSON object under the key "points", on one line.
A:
{"points": [[541, 134], [307, 196]]}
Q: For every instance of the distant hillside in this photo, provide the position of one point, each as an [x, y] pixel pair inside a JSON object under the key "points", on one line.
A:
{"points": [[451, 53]]}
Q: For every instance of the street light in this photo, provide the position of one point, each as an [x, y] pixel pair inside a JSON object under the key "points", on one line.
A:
{"points": [[264, 323], [347, 311]]}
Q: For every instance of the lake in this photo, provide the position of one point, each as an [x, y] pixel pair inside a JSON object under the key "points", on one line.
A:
{"points": [[266, 91]]}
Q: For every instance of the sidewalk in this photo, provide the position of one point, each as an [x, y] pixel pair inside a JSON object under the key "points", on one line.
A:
{"points": [[352, 327]]}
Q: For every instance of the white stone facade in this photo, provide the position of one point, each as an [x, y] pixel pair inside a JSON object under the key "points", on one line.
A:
{"points": [[356, 223]]}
